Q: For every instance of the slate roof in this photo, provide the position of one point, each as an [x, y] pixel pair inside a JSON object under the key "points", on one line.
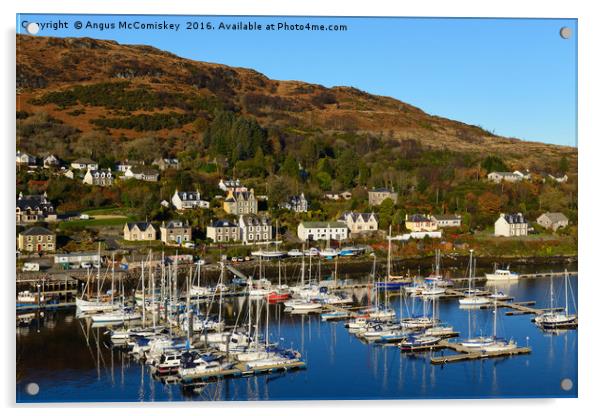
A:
{"points": [[37, 231]]}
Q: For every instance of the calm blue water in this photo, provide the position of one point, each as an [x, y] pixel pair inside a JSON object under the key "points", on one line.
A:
{"points": [[71, 362]]}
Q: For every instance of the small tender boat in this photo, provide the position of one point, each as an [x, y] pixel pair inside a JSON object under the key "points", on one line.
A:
{"points": [[329, 316], [328, 253], [295, 253], [277, 296], [116, 316]]}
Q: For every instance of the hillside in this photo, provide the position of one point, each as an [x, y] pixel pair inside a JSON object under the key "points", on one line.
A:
{"points": [[131, 92]]}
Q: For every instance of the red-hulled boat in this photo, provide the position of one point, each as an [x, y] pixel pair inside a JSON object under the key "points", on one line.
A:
{"points": [[277, 296]]}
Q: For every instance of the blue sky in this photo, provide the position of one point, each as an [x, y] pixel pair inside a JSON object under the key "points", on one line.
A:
{"points": [[516, 77]]}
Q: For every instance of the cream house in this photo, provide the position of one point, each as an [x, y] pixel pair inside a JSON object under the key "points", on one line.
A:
{"points": [[376, 196], [360, 223], [223, 231], [419, 222], [139, 231], [446, 220], [255, 228], [511, 225], [188, 200], [102, 177]]}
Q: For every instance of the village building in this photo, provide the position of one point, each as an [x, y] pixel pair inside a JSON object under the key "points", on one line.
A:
{"points": [[419, 222], [175, 232], [338, 197], [37, 239], [511, 225], [223, 231], [233, 185], [322, 230], [68, 259], [84, 164], [296, 203], [360, 223], [446, 220], [167, 163], [51, 161], [68, 173], [376, 196], [255, 228], [188, 200], [139, 231], [512, 177], [34, 208], [241, 203], [124, 165], [101, 177], [142, 173], [553, 220], [25, 159], [558, 178]]}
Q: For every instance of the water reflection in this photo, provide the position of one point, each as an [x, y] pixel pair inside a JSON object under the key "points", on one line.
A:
{"points": [[78, 365]]}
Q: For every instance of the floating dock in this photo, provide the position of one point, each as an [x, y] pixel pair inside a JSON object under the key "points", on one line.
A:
{"points": [[241, 370], [465, 353]]}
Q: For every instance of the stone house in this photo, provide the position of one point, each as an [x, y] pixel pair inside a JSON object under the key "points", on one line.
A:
{"points": [[553, 220], [255, 228], [167, 163], [241, 203], [296, 203], [223, 231], [141, 173], [37, 239], [376, 196], [175, 232]]}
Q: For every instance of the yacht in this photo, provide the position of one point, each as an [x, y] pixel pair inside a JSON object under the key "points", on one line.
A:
{"points": [[502, 275]]}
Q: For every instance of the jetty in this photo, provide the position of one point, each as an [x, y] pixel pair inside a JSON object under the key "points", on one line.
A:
{"points": [[465, 353]]}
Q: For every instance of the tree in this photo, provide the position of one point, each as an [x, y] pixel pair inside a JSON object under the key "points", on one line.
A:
{"points": [[489, 203], [290, 167], [386, 210], [494, 163]]}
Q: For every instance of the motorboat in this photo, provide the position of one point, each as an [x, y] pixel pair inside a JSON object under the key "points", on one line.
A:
{"points": [[502, 275]]}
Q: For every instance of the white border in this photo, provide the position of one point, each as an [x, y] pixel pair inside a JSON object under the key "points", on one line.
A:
{"points": [[590, 34]]}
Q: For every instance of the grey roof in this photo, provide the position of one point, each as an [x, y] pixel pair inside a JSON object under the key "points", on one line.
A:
{"points": [[147, 170], [142, 226], [224, 223], [555, 216], [177, 224], [355, 215], [417, 218], [517, 218], [84, 160], [251, 219], [323, 224], [34, 202], [37, 231], [446, 217], [189, 196]]}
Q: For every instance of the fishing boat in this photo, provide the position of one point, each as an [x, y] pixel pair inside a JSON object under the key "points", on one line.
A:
{"points": [[277, 296], [329, 253], [557, 319], [350, 251], [472, 298], [502, 275], [27, 298]]}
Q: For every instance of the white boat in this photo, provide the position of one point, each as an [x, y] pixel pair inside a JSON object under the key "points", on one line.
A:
{"points": [[202, 369], [94, 305], [295, 253], [433, 291], [417, 341], [328, 316], [300, 305], [472, 298], [328, 253], [474, 301], [420, 322], [268, 254], [116, 316], [440, 331], [502, 275], [28, 297], [477, 342], [557, 319], [499, 345], [196, 291]]}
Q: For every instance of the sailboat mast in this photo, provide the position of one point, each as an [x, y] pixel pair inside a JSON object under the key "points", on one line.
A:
{"points": [[389, 256], [143, 295], [303, 265], [113, 278], [566, 292], [98, 275]]}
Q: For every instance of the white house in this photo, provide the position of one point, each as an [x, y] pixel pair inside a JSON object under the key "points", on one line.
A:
{"points": [[254, 228], [322, 230], [188, 200], [51, 161], [511, 225], [233, 185], [141, 173], [25, 159], [102, 177], [515, 176], [77, 258], [360, 223], [84, 164], [553, 220], [447, 220], [296, 203], [560, 178]]}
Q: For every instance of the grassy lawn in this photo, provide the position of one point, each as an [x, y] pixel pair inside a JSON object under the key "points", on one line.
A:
{"points": [[107, 211], [103, 222]]}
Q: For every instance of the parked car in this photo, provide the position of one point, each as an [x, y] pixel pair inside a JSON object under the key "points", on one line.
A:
{"points": [[31, 267], [86, 265], [189, 245]]}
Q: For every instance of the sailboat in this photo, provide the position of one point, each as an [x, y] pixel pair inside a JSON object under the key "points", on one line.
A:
{"points": [[498, 344], [472, 299], [281, 292], [391, 281], [475, 342], [90, 305], [554, 319]]}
